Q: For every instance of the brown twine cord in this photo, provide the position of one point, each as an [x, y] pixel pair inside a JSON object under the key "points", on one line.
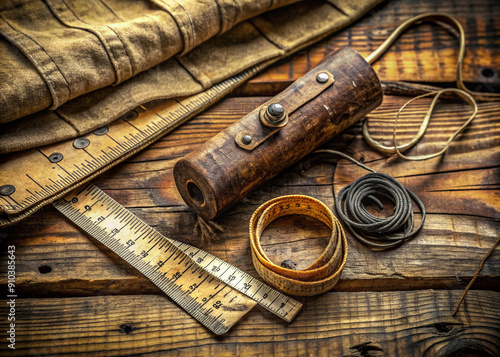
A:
{"points": [[399, 149], [476, 274], [467, 94], [207, 230]]}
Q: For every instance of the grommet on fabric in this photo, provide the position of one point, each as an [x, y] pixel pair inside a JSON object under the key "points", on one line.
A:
{"points": [[101, 131], [321, 275], [131, 115], [7, 190], [81, 143], [56, 157]]}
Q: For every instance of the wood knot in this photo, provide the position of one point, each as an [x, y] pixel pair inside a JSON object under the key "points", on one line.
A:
{"points": [[366, 349], [442, 327], [127, 328]]}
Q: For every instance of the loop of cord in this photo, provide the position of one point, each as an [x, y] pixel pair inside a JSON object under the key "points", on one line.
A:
{"points": [[462, 91], [399, 149], [377, 232]]}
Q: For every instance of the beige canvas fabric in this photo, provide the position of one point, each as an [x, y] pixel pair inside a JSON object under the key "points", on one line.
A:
{"points": [[70, 66]]}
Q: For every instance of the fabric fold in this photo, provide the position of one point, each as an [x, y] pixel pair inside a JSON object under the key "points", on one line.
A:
{"points": [[81, 46], [104, 42]]}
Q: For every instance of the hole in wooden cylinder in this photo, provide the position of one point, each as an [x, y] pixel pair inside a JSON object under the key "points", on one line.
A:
{"points": [[195, 193]]}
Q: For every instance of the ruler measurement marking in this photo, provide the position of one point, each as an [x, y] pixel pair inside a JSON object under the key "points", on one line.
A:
{"points": [[9, 203], [62, 168], [41, 152], [12, 198], [85, 168], [89, 154], [90, 190], [109, 136], [132, 125], [91, 164], [35, 182], [64, 179], [57, 185]]}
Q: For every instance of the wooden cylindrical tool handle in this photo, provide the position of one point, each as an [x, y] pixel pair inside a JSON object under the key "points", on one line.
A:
{"points": [[334, 95]]}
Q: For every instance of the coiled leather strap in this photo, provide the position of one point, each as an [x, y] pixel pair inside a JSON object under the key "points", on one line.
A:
{"points": [[320, 276]]}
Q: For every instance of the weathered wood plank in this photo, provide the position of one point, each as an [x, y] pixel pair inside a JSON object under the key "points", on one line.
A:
{"points": [[64, 262], [415, 323], [456, 233], [426, 53]]}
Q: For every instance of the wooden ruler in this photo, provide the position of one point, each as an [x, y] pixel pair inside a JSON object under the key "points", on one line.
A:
{"points": [[34, 178], [214, 292]]}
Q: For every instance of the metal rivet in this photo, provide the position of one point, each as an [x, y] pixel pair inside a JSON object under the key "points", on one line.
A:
{"points": [[275, 110], [56, 157], [246, 139], [322, 77], [275, 113], [7, 190], [81, 143], [101, 131], [131, 115]]}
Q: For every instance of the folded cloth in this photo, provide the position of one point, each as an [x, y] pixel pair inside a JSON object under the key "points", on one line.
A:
{"points": [[68, 67]]}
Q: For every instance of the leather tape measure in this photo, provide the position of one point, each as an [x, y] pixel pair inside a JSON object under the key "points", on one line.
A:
{"points": [[320, 276], [214, 292]]}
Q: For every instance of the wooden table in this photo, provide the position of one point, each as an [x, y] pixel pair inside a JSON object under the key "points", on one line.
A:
{"points": [[76, 297]]}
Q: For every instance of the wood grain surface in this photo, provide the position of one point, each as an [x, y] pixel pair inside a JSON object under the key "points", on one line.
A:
{"points": [[76, 297], [403, 323]]}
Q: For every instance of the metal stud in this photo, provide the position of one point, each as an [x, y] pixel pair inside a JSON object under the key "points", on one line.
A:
{"points": [[322, 77], [101, 131], [275, 113], [55, 157], [81, 143], [246, 139], [7, 190]]}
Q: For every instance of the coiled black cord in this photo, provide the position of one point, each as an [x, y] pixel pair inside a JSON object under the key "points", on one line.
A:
{"points": [[377, 232]]}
